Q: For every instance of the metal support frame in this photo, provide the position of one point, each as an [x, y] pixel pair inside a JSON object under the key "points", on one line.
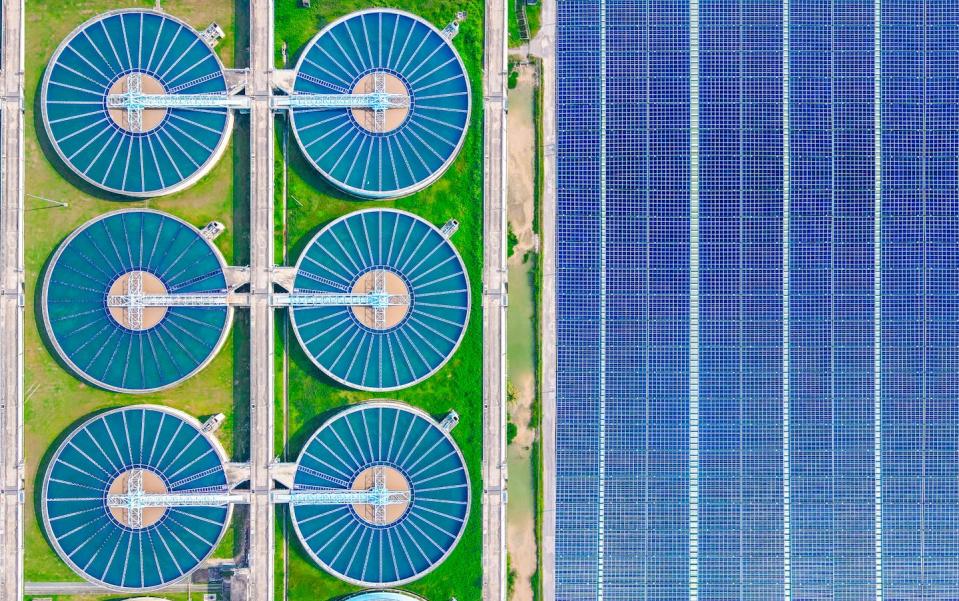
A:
{"points": [[134, 301], [379, 496], [379, 299], [134, 101], [376, 101], [379, 101], [135, 499]]}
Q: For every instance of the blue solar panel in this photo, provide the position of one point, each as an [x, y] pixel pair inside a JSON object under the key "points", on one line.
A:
{"points": [[832, 301], [741, 204], [577, 307], [920, 330], [804, 442]]}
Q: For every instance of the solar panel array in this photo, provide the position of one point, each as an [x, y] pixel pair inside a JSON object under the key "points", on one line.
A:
{"points": [[801, 439]]}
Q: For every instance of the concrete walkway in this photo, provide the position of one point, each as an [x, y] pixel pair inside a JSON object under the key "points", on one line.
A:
{"points": [[11, 305], [494, 304], [262, 513]]}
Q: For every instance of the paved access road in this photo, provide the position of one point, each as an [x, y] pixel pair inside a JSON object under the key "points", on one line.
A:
{"points": [[494, 304], [260, 88], [11, 304]]}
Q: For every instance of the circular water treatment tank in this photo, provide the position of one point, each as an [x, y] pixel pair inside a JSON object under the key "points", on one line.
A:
{"points": [[385, 595], [112, 54], [165, 451], [157, 253], [404, 148], [408, 258], [413, 455]]}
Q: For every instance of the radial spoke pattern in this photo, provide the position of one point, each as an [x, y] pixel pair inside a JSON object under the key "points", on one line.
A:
{"points": [[91, 61], [390, 434], [83, 530], [92, 341], [384, 596], [427, 263], [404, 159]]}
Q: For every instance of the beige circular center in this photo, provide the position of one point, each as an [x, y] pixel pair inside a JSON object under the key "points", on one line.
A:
{"points": [[151, 484], [393, 117], [151, 316], [393, 314], [151, 117], [395, 481]]}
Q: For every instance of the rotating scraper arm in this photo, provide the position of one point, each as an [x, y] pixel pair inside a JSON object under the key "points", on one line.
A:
{"points": [[135, 499], [134, 101]]}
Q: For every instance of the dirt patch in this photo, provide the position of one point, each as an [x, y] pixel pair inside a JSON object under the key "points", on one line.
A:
{"points": [[521, 165]]}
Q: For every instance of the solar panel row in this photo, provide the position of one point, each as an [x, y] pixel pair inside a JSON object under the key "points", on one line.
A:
{"points": [[920, 306], [741, 499], [827, 437]]}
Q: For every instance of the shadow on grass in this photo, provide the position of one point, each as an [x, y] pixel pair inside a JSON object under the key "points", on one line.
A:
{"points": [[45, 462], [304, 169], [42, 327], [241, 190], [297, 248], [299, 438], [241, 386], [62, 169]]}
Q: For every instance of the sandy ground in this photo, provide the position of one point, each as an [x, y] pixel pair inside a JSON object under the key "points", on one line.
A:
{"points": [[521, 525], [521, 163]]}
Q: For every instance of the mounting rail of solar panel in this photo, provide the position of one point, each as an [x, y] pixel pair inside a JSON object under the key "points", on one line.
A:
{"points": [[414, 144], [93, 339], [421, 456], [173, 147], [416, 340], [95, 458]]}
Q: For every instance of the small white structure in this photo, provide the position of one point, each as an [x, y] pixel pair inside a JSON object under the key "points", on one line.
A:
{"points": [[213, 423], [212, 34], [450, 31], [211, 230], [449, 422]]}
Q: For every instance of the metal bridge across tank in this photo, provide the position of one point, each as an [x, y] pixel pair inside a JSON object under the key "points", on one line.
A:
{"points": [[134, 300], [134, 101], [135, 498]]}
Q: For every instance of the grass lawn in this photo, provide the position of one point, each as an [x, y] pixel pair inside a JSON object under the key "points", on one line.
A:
{"points": [[55, 399], [512, 20], [311, 204]]}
